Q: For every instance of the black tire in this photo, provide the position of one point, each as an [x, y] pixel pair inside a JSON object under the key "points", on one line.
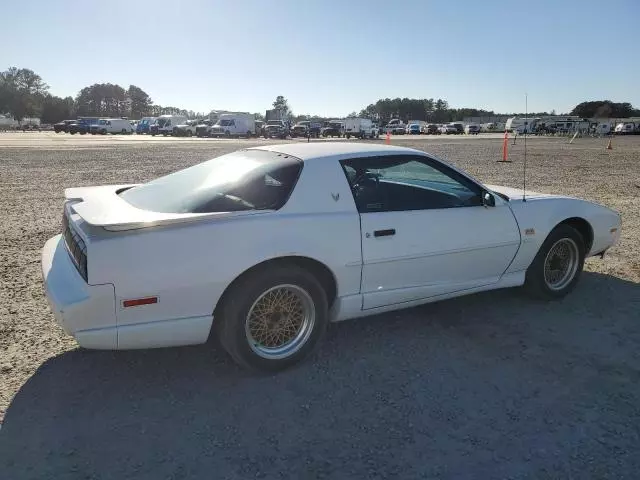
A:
{"points": [[124, 131], [535, 283], [189, 133], [237, 305]]}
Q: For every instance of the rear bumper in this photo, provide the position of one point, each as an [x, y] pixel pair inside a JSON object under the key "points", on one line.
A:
{"points": [[87, 312]]}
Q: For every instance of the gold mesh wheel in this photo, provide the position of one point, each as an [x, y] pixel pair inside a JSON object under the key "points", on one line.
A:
{"points": [[561, 264], [280, 321]]}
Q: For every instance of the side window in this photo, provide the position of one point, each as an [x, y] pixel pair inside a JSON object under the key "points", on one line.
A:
{"points": [[407, 182]]}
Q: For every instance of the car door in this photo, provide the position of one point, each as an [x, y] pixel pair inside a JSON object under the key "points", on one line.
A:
{"points": [[426, 230]]}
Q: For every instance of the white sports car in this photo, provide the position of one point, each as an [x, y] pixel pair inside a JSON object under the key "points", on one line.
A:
{"points": [[269, 244]]}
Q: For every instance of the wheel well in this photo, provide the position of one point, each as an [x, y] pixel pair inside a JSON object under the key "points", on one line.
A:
{"points": [[584, 228], [319, 270]]}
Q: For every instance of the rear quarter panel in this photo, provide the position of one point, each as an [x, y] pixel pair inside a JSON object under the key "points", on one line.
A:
{"points": [[188, 266]]}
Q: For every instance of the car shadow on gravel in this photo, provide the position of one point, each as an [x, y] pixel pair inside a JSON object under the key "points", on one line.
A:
{"points": [[486, 386]]}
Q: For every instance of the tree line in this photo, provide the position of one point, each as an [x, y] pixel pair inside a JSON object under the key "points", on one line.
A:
{"points": [[605, 109], [23, 93]]}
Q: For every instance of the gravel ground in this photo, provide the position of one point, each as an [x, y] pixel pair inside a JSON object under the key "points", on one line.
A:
{"points": [[492, 385]]}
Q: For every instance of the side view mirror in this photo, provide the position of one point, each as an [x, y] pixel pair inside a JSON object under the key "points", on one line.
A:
{"points": [[488, 200]]}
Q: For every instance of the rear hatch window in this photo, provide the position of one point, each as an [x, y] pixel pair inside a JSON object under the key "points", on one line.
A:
{"points": [[243, 180]]}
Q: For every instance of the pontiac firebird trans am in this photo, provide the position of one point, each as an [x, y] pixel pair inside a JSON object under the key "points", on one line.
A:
{"points": [[267, 245]]}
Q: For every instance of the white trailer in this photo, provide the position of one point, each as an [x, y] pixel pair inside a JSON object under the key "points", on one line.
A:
{"points": [[235, 125]]}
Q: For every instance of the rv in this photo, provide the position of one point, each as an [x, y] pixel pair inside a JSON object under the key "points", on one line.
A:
{"points": [[625, 128]]}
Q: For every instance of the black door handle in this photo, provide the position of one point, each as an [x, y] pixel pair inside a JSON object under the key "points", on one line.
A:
{"points": [[384, 233]]}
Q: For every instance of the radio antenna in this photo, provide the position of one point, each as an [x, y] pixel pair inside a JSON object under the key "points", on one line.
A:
{"points": [[524, 168]]}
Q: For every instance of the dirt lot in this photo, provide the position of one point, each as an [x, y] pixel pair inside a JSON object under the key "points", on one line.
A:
{"points": [[489, 386]]}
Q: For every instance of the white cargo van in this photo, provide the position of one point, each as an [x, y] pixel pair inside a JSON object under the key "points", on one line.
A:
{"points": [[360, 128], [235, 125], [112, 125], [167, 124]]}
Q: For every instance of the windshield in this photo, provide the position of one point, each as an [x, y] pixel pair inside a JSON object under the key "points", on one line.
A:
{"points": [[225, 123], [243, 180], [163, 121], [102, 122], [274, 122]]}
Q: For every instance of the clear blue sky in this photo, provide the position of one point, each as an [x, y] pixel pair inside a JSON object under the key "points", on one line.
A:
{"points": [[331, 57]]}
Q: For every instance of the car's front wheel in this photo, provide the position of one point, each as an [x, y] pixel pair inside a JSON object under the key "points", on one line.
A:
{"points": [[273, 318], [556, 268]]}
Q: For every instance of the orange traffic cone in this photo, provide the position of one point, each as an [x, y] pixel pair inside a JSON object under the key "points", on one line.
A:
{"points": [[388, 139], [505, 149], [609, 147]]}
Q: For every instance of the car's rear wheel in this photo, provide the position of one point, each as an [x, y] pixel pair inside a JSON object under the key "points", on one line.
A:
{"points": [[556, 268], [189, 133], [273, 318]]}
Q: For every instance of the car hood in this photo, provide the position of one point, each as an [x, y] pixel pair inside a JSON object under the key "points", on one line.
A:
{"points": [[516, 193], [101, 206]]}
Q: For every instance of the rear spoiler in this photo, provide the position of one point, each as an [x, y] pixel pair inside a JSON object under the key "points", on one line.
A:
{"points": [[103, 207]]}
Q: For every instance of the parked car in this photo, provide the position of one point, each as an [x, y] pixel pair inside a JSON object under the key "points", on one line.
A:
{"points": [[112, 125], [432, 129], [144, 125], [79, 127], [186, 129], [203, 129], [448, 130], [306, 128], [276, 129], [472, 129], [332, 130], [237, 247], [167, 124], [413, 129], [458, 126], [63, 126], [83, 125]]}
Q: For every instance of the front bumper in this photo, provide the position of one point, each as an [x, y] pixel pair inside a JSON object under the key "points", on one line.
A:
{"points": [[87, 312]]}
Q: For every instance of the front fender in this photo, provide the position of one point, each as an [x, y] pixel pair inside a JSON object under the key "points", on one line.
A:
{"points": [[537, 217]]}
